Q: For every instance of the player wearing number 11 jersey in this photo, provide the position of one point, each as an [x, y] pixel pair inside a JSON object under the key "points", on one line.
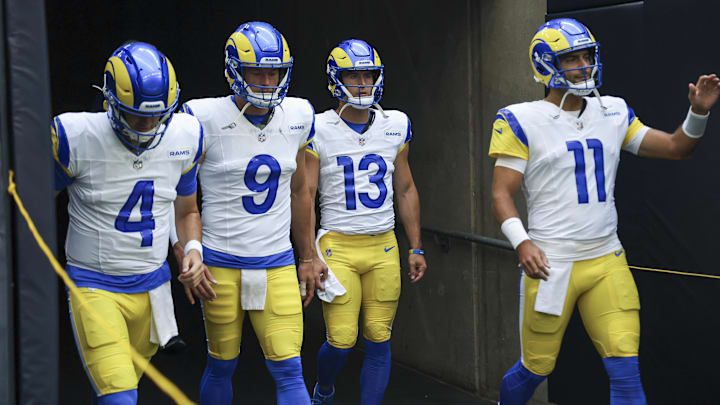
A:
{"points": [[361, 161], [564, 152]]}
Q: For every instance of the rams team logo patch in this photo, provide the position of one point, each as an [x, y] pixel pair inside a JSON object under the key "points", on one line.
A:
{"points": [[328, 252], [179, 153], [393, 133]]}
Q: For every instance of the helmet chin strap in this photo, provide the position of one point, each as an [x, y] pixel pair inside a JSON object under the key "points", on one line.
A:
{"points": [[376, 105], [579, 93]]}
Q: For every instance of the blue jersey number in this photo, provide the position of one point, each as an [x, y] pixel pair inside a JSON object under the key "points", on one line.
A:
{"points": [[378, 179], [576, 147], [143, 191], [270, 184]]}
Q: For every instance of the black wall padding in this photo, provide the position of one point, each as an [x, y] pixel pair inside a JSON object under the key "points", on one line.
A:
{"points": [[565, 6], [7, 344], [667, 209], [28, 85]]}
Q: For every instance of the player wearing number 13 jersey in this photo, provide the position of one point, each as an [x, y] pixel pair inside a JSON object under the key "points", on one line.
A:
{"points": [[361, 158], [123, 170], [254, 192], [564, 152]]}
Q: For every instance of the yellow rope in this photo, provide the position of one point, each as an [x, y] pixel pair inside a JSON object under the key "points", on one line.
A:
{"points": [[160, 380], [682, 273]]}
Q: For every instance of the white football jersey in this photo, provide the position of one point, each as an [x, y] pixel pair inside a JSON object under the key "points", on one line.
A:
{"points": [[355, 183], [119, 202], [245, 177], [569, 180]]}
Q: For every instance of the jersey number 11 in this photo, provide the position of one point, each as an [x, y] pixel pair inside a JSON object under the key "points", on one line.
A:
{"points": [[579, 152]]}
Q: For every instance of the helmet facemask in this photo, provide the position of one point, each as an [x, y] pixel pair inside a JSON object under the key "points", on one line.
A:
{"points": [[342, 90], [138, 141], [235, 69], [590, 81]]}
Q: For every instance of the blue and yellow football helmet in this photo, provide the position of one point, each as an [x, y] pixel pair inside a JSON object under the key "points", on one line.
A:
{"points": [[558, 37], [139, 80], [354, 54], [257, 45]]}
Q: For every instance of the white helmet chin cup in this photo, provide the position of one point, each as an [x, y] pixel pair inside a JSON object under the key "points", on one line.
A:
{"points": [[361, 103], [583, 88]]}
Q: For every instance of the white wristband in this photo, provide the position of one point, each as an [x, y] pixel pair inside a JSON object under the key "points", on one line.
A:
{"points": [[514, 231], [194, 244], [694, 125]]}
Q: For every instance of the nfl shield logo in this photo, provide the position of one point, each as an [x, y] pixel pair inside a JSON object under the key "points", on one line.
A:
{"points": [[137, 164], [362, 141], [328, 252], [261, 137]]}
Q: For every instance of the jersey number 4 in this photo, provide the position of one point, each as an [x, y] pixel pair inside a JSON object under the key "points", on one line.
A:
{"points": [[576, 147], [143, 192], [378, 179]]}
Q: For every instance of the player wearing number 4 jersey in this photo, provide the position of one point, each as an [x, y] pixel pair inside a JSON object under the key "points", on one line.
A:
{"points": [[360, 158], [122, 176], [254, 192], [564, 151]]}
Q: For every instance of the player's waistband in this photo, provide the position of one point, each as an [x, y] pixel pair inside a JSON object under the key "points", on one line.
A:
{"points": [[574, 250], [220, 259], [362, 240], [130, 284]]}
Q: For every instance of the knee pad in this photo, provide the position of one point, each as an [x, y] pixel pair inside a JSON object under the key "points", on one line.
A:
{"points": [[119, 398], [624, 335], [377, 331], [220, 368], [540, 357], [343, 336]]}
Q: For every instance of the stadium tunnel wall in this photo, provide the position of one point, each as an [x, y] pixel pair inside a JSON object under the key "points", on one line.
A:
{"points": [[449, 65]]}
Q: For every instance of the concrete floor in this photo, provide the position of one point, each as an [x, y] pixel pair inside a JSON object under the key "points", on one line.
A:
{"points": [[252, 383]]}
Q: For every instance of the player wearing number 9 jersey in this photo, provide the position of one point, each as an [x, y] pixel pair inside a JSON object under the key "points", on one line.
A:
{"points": [[254, 192], [360, 160], [123, 170], [564, 152]]}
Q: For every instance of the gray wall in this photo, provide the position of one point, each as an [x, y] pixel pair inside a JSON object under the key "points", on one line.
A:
{"points": [[466, 59]]}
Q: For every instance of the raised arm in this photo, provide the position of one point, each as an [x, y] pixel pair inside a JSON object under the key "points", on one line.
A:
{"points": [[681, 143]]}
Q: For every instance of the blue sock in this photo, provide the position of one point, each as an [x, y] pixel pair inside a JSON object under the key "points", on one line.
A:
{"points": [[518, 385], [625, 385], [216, 383], [375, 372], [119, 398], [289, 381], [330, 361]]}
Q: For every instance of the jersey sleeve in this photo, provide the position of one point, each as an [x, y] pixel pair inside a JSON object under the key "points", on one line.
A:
{"points": [[408, 136], [61, 152], [186, 109], [188, 180], [634, 134], [508, 137], [308, 136]]}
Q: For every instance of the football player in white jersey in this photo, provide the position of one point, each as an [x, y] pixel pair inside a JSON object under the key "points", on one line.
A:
{"points": [[123, 170], [253, 193], [360, 161], [564, 152]]}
